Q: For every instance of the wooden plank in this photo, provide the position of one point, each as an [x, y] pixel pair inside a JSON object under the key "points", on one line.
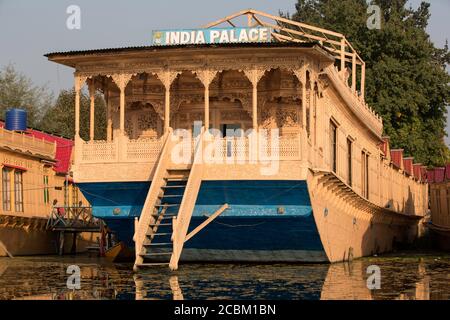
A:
{"points": [[206, 222]]}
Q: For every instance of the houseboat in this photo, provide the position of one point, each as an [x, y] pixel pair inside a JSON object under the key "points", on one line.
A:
{"points": [[250, 143], [439, 224], [35, 177]]}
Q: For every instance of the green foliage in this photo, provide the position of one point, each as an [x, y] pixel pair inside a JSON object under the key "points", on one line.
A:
{"points": [[18, 91], [60, 118], [407, 81]]}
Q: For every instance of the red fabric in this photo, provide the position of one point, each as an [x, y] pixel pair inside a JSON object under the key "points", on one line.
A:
{"points": [[423, 173], [447, 172], [430, 176], [408, 165], [64, 148], [439, 175], [417, 168], [397, 158]]}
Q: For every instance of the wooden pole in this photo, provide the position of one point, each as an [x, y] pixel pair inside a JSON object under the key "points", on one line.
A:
{"points": [[167, 109], [354, 72], [363, 80], [92, 110], [77, 106], [207, 107], [73, 250], [255, 106], [122, 111], [61, 243], [342, 56]]}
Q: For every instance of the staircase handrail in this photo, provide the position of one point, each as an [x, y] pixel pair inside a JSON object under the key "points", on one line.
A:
{"points": [[181, 222]]}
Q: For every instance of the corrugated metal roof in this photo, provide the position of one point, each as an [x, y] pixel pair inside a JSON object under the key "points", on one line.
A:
{"points": [[189, 46]]}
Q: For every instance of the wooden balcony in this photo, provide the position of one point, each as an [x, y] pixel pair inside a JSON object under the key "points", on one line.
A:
{"points": [[134, 160], [27, 144]]}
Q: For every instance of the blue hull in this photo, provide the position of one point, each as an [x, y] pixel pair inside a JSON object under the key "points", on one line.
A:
{"points": [[267, 220]]}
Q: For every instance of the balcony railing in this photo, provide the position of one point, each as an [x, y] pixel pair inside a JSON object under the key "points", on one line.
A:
{"points": [[224, 150], [120, 150], [27, 143]]}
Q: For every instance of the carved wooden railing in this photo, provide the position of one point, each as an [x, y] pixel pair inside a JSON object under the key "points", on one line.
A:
{"points": [[120, 150], [182, 221], [235, 149], [146, 218], [355, 102], [27, 143]]}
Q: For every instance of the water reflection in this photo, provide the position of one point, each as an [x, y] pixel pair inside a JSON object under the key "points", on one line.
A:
{"points": [[409, 276]]}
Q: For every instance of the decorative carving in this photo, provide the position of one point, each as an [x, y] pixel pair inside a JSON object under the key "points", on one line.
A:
{"points": [[167, 77], [121, 80], [205, 76], [146, 121], [233, 115], [287, 116], [254, 75], [300, 74]]}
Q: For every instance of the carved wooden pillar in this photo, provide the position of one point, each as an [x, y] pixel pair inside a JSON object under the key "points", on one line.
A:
{"points": [[108, 114], [91, 84], [122, 80], [167, 77], [206, 77], [311, 104], [79, 82], [254, 75], [301, 76]]}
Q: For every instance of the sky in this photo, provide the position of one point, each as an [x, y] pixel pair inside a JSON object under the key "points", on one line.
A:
{"points": [[29, 29]]}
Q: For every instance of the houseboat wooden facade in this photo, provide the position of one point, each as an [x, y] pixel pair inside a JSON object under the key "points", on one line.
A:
{"points": [[34, 168], [334, 191]]}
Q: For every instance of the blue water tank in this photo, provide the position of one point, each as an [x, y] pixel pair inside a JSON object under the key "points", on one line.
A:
{"points": [[16, 120]]}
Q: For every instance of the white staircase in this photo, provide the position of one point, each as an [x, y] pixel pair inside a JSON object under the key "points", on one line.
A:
{"points": [[162, 227]]}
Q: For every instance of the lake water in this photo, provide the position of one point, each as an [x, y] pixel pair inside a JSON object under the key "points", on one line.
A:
{"points": [[403, 276]]}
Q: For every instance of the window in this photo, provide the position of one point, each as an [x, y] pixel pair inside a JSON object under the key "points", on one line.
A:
{"points": [[365, 174], [6, 183], [18, 190], [333, 146], [349, 162], [46, 190]]}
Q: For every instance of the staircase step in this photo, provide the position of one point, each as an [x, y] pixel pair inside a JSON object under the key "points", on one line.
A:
{"points": [[166, 217], [172, 196], [156, 216], [159, 234], [153, 264], [175, 179], [173, 187], [156, 254], [167, 205], [153, 244], [159, 224]]}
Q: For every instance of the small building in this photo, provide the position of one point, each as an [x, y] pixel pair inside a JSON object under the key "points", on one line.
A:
{"points": [[439, 179], [35, 174]]}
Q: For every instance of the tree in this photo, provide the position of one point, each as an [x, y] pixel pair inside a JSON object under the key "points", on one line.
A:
{"points": [[18, 91], [407, 81], [60, 118]]}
